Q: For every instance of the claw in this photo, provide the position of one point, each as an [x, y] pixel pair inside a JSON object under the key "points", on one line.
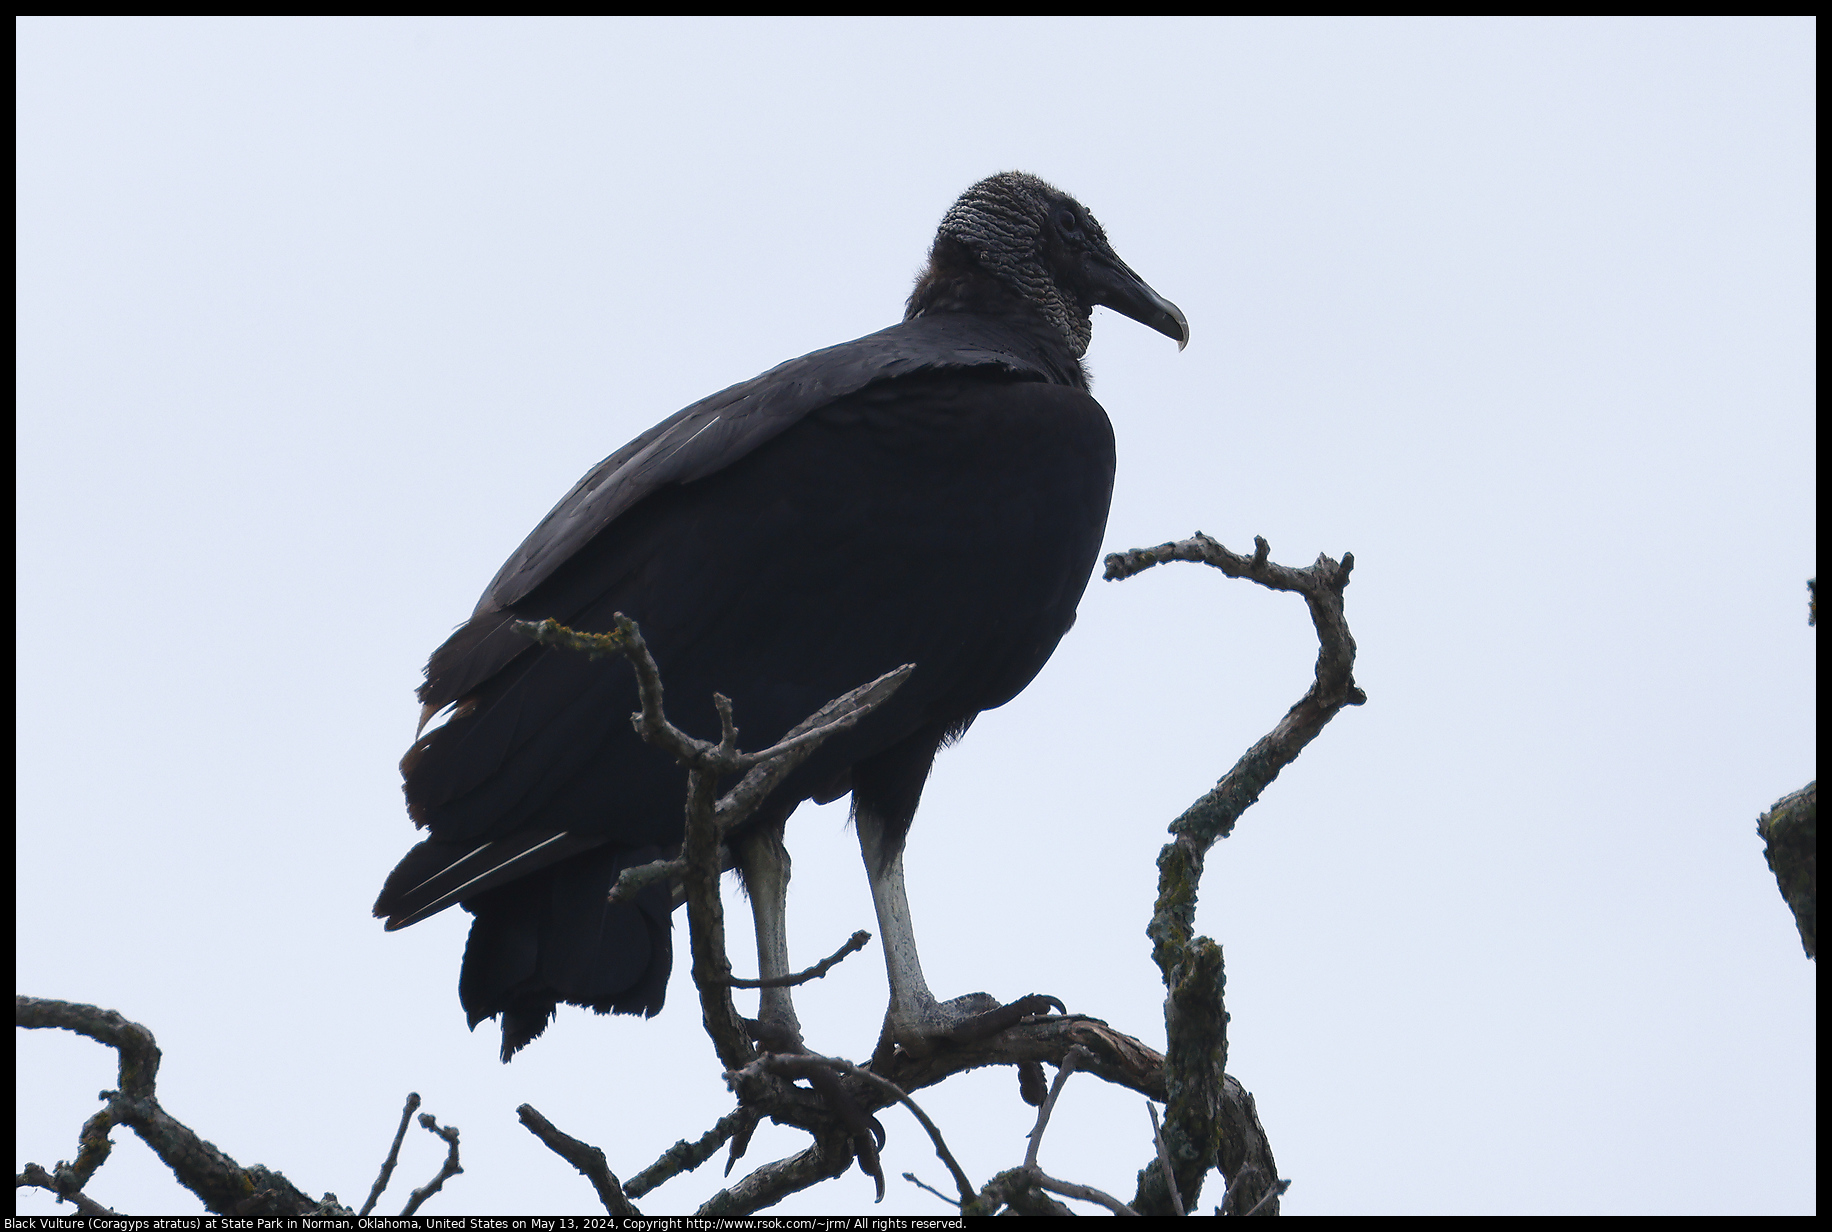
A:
{"points": [[866, 1131], [1032, 1088], [741, 1142], [993, 1021]]}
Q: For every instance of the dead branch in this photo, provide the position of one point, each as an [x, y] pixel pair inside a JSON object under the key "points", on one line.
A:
{"points": [[394, 1154], [1087, 1193], [1196, 1031], [1210, 1119], [1170, 1179], [829, 1156], [684, 1156], [913, 1179], [805, 1064], [588, 1159], [35, 1177], [1246, 1154], [224, 1186], [1790, 843], [709, 818], [1273, 1193], [1075, 1056], [447, 1169], [1192, 966], [853, 944]]}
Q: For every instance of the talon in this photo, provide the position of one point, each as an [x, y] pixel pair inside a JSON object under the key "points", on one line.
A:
{"points": [[966, 1019], [1033, 1089], [1041, 1001]]}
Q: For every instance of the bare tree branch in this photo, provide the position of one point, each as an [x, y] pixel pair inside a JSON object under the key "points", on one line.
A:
{"points": [[1246, 1154], [1194, 1067], [447, 1170], [685, 1156], [35, 1176], [1210, 1118], [1790, 843], [829, 1156], [1170, 1179], [913, 1179], [1201, 1100], [1321, 584], [394, 1154], [1086, 1193], [224, 1186], [853, 944], [1191, 966], [1070, 1060], [588, 1159], [1272, 1195], [708, 818], [806, 1063]]}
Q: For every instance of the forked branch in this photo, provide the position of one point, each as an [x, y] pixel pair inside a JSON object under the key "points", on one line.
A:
{"points": [[1197, 1116]]}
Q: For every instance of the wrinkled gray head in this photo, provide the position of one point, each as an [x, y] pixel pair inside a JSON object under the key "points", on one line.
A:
{"points": [[1045, 246]]}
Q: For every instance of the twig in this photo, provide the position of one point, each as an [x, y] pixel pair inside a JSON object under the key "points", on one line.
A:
{"points": [[651, 722], [706, 923], [853, 944], [1087, 1193], [1276, 1192], [1170, 1180], [394, 1154], [685, 1156], [796, 747], [912, 1179], [633, 881], [588, 1159], [447, 1170], [35, 1176], [1075, 1056], [1015, 1192]]}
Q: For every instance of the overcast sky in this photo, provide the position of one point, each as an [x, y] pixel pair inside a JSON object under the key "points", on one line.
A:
{"points": [[317, 318]]}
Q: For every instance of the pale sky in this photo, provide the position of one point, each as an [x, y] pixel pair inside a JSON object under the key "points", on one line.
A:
{"points": [[317, 317]]}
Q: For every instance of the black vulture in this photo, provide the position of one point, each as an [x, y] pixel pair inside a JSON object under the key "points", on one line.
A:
{"points": [[934, 493]]}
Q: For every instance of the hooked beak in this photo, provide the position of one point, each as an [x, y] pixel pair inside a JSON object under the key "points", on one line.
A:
{"points": [[1116, 286]]}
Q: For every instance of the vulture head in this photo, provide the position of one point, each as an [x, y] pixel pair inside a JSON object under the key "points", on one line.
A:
{"points": [[1013, 243]]}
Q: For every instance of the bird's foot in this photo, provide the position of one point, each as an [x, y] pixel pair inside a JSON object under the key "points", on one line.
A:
{"points": [[775, 1035], [976, 1016]]}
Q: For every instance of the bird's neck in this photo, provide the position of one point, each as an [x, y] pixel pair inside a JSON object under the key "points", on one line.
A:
{"points": [[954, 281]]}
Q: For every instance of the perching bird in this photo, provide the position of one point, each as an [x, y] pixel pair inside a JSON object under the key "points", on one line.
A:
{"points": [[934, 493]]}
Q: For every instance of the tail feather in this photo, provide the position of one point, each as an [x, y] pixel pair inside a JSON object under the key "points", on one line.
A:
{"points": [[553, 937], [436, 874]]}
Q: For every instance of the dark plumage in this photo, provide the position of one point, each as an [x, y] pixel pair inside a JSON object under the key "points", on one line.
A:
{"points": [[934, 493]]}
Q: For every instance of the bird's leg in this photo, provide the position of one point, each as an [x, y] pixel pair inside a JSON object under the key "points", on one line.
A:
{"points": [[912, 1004], [764, 865], [916, 1020]]}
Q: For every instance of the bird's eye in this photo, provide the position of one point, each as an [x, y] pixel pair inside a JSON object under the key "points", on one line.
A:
{"points": [[1066, 220]]}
